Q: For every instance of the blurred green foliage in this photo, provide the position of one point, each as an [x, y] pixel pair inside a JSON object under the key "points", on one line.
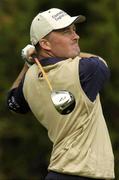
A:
{"points": [[24, 146]]}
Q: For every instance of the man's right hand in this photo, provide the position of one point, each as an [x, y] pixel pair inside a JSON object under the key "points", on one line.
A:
{"points": [[26, 54]]}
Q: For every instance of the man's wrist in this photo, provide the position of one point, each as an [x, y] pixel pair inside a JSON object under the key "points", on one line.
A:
{"points": [[25, 54]]}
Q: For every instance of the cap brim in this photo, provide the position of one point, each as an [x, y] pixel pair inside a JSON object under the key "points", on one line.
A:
{"points": [[75, 19], [79, 19]]}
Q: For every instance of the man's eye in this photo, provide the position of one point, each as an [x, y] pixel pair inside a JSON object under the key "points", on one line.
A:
{"points": [[66, 31], [74, 28]]}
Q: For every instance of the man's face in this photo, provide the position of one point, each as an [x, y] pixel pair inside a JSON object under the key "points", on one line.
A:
{"points": [[64, 42]]}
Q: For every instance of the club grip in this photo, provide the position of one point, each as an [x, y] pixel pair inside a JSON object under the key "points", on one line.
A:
{"points": [[34, 56]]}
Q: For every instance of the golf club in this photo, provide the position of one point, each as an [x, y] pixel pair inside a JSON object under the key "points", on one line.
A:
{"points": [[63, 100]]}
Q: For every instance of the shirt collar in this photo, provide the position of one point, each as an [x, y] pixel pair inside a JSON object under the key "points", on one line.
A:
{"points": [[50, 61]]}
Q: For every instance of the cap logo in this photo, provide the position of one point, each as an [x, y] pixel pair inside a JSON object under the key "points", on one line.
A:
{"points": [[59, 15]]}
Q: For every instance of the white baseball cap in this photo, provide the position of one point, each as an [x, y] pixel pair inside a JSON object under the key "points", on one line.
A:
{"points": [[52, 19]]}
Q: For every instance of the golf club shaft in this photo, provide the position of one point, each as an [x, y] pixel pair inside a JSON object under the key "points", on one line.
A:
{"points": [[44, 74]]}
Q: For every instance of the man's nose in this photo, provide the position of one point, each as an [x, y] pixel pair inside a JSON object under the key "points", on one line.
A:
{"points": [[75, 35]]}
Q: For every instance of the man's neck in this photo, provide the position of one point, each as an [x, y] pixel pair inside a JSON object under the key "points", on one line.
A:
{"points": [[45, 54]]}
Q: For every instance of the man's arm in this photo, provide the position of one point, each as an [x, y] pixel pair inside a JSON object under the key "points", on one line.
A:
{"points": [[86, 55], [93, 74], [15, 99], [20, 77]]}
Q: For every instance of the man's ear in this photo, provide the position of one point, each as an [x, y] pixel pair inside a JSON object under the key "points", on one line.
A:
{"points": [[44, 43]]}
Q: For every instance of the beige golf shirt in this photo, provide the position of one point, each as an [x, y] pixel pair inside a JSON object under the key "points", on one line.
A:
{"points": [[81, 142]]}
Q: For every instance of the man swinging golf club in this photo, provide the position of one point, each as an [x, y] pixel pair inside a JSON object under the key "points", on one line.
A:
{"points": [[81, 145]]}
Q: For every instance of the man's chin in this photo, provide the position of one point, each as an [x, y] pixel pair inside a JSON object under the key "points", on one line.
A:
{"points": [[75, 54]]}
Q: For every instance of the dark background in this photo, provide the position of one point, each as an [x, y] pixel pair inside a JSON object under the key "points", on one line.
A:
{"points": [[24, 146]]}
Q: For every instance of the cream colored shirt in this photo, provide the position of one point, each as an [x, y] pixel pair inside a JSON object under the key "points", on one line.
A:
{"points": [[81, 142]]}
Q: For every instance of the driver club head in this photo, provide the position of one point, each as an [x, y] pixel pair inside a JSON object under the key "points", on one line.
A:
{"points": [[63, 101]]}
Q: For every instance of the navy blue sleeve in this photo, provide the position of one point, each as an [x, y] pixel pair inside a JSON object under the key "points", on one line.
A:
{"points": [[16, 101], [93, 74]]}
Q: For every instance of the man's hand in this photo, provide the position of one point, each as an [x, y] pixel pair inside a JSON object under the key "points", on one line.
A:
{"points": [[86, 55], [26, 54]]}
